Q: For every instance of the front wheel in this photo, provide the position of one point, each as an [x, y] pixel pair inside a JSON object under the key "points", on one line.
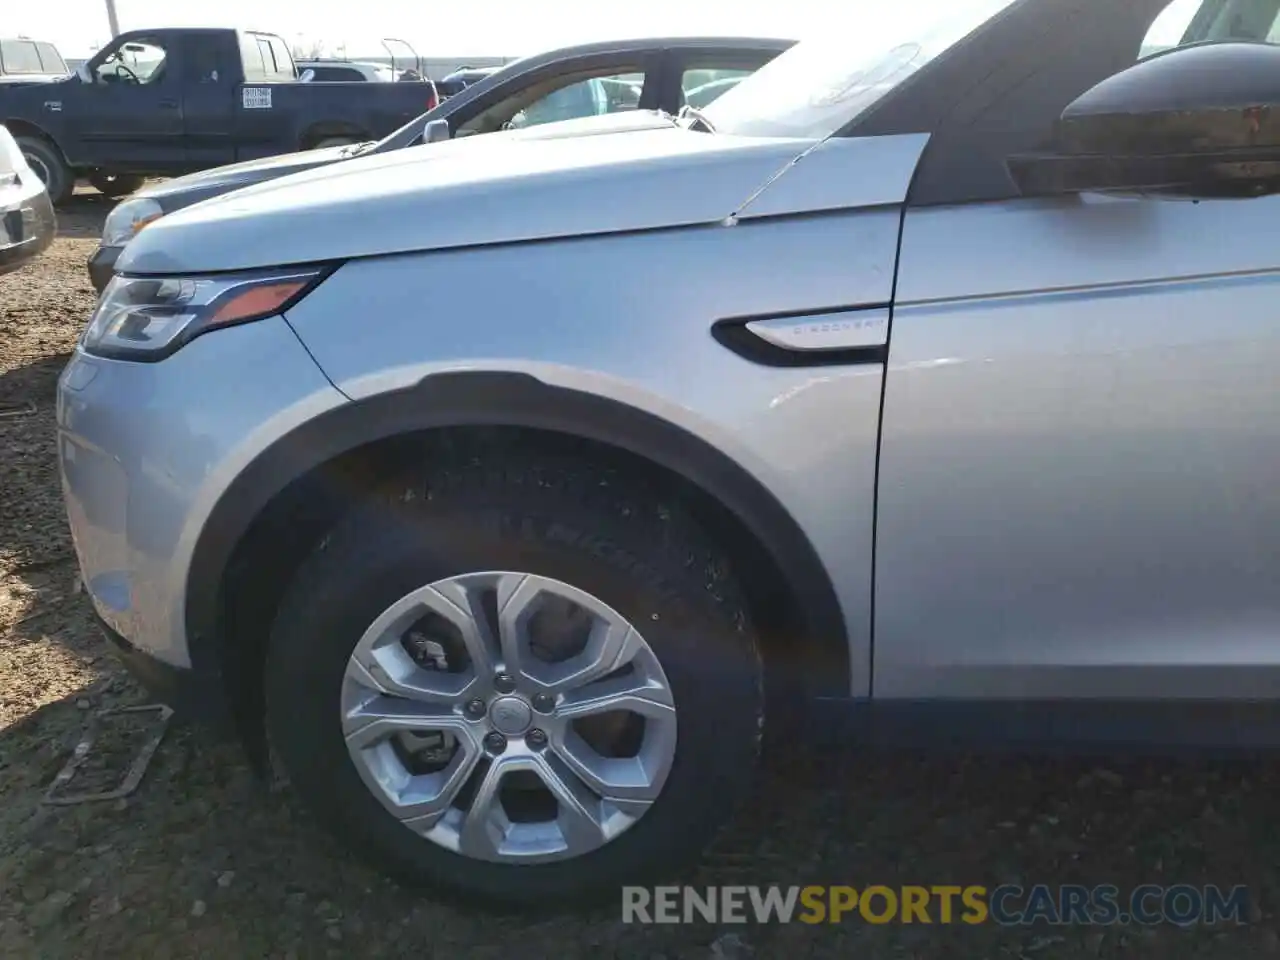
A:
{"points": [[47, 163], [115, 185], [514, 688]]}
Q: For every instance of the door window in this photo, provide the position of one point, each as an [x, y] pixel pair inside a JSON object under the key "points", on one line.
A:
{"points": [[561, 97], [255, 68], [1196, 21], [50, 59], [700, 86], [139, 62], [282, 59]]}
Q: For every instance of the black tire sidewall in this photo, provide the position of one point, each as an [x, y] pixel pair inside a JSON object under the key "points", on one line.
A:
{"points": [[124, 185], [61, 183], [711, 665]]}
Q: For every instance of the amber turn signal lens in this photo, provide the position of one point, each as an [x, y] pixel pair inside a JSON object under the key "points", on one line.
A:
{"points": [[258, 301]]}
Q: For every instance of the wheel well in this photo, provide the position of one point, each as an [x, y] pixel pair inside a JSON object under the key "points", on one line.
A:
{"points": [[801, 661], [331, 128], [22, 128]]}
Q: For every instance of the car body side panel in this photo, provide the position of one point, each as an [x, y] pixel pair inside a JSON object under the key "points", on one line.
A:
{"points": [[1078, 491], [628, 318]]}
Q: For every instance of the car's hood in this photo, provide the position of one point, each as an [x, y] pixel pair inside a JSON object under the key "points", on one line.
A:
{"points": [[522, 186], [193, 188], [183, 191]]}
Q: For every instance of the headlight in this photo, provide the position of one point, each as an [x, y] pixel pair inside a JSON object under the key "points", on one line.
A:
{"points": [[124, 222], [148, 318]]}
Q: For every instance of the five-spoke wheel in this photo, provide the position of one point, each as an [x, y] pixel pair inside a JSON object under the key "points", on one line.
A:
{"points": [[509, 716], [520, 687]]}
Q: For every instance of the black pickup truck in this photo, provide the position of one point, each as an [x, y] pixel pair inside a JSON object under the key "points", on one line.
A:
{"points": [[174, 101]]}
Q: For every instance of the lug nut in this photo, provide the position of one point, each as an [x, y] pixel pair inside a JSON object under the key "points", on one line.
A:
{"points": [[503, 683], [535, 738], [495, 743], [475, 709], [544, 703]]}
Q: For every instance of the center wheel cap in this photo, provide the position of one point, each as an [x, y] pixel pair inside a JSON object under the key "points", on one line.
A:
{"points": [[511, 716]]}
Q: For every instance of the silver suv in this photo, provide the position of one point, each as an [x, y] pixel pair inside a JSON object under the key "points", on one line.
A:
{"points": [[498, 486]]}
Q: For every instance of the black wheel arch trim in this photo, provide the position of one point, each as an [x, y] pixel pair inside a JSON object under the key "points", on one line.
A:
{"points": [[481, 398]]}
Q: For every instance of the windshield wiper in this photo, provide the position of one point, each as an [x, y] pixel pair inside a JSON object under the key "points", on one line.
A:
{"points": [[699, 119], [353, 149]]}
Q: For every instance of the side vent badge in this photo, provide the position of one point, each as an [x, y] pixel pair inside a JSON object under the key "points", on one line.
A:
{"points": [[827, 331]]}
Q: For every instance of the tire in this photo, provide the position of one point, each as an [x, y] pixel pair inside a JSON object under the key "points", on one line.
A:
{"points": [[553, 517], [47, 162], [115, 185]]}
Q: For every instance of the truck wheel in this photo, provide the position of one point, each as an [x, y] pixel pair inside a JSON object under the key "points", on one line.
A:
{"points": [[46, 160], [529, 685], [115, 185]]}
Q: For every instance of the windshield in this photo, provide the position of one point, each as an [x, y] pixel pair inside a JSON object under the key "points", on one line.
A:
{"points": [[820, 85]]}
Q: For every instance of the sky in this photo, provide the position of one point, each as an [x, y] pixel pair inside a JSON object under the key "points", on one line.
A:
{"points": [[476, 28]]}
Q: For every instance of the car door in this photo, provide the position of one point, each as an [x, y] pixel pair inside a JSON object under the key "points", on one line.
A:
{"points": [[130, 116], [565, 90], [1080, 445]]}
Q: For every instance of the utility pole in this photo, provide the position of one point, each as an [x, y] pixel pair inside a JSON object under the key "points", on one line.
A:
{"points": [[112, 19]]}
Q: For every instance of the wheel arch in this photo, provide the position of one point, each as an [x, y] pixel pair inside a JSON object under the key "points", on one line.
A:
{"points": [[25, 128], [287, 497]]}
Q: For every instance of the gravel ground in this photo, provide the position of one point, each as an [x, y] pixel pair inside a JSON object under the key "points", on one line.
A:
{"points": [[203, 861]]}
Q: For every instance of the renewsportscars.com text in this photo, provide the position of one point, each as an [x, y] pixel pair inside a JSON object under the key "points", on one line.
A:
{"points": [[1007, 905]]}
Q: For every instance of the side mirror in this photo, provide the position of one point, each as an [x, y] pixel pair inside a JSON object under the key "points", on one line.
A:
{"points": [[307, 76], [436, 131], [82, 71], [1195, 121]]}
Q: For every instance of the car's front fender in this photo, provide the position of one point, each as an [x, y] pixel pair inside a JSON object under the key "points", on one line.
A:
{"points": [[626, 322]]}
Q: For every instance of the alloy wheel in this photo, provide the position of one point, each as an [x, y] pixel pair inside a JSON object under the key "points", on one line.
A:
{"points": [[509, 717]]}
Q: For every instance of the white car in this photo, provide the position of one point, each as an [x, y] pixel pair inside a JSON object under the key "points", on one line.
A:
{"points": [[346, 71], [27, 222], [23, 60]]}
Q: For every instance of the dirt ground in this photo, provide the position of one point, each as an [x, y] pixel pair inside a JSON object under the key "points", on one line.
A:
{"points": [[203, 861]]}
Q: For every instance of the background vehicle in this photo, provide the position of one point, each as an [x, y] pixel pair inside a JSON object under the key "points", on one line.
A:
{"points": [[329, 71], [23, 60], [27, 222], [174, 100], [560, 84], [904, 381], [399, 70], [462, 78]]}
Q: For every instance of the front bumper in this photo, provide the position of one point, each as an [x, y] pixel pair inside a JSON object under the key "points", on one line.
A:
{"points": [[146, 451], [102, 266], [27, 225]]}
